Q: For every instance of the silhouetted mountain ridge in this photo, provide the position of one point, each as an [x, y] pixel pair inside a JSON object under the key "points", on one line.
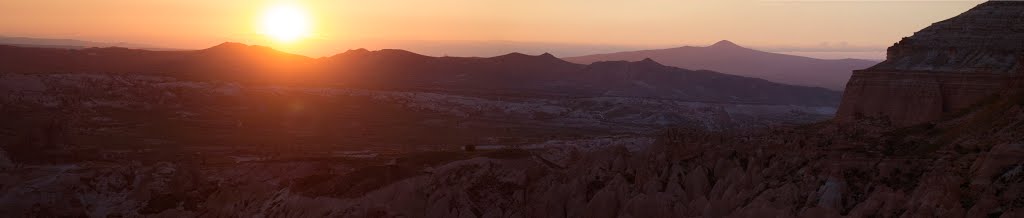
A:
{"points": [[517, 72], [728, 57], [513, 73], [70, 43]]}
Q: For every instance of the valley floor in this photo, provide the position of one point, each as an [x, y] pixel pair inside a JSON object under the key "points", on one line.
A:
{"points": [[966, 165]]}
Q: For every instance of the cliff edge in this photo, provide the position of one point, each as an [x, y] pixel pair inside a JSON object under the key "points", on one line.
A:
{"points": [[943, 68]]}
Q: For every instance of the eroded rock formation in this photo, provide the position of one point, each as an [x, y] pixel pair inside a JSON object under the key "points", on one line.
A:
{"points": [[944, 68]]}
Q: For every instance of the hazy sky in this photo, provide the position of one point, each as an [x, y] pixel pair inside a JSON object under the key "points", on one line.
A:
{"points": [[339, 24]]}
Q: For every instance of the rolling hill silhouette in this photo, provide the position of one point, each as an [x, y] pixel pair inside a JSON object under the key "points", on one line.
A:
{"points": [[727, 57], [511, 74]]}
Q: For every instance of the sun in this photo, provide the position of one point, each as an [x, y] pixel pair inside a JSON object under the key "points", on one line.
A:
{"points": [[286, 23]]}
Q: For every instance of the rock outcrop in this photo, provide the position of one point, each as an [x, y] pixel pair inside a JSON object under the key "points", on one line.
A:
{"points": [[944, 68]]}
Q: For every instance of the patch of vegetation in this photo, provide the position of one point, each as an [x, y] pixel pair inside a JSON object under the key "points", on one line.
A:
{"points": [[161, 202], [507, 154], [594, 186], [858, 183], [354, 184], [431, 158], [904, 180]]}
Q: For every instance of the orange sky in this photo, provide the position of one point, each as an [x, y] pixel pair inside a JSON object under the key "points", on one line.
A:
{"points": [[339, 25]]}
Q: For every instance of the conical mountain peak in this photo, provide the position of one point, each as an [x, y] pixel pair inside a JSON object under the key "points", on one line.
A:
{"points": [[725, 44]]}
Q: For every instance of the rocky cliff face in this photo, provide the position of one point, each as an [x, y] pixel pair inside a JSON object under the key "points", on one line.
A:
{"points": [[912, 97], [943, 68]]}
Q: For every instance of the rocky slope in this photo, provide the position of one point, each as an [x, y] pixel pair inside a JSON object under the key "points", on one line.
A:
{"points": [[782, 173], [943, 68], [965, 166]]}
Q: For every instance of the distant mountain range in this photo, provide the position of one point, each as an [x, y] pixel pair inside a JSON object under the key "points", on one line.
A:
{"points": [[727, 57], [472, 48], [69, 43], [511, 74]]}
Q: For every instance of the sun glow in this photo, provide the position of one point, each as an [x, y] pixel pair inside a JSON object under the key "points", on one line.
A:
{"points": [[286, 23]]}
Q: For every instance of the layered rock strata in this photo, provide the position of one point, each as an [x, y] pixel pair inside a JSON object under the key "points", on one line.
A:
{"points": [[942, 69]]}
